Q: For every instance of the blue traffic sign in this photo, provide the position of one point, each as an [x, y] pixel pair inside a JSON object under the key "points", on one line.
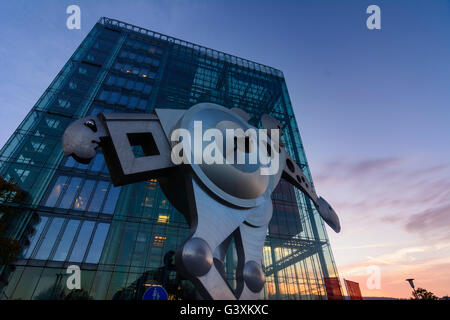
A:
{"points": [[155, 293]]}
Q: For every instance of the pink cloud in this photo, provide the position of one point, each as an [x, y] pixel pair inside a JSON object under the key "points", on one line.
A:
{"points": [[395, 213]]}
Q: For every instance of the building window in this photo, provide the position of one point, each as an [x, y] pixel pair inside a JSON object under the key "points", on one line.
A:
{"points": [[123, 100], [111, 80], [98, 241], [63, 103], [98, 162], [49, 239], [44, 240], [159, 241], [139, 86], [121, 82], [133, 102], [148, 201], [39, 228], [72, 85], [142, 104], [64, 245], [54, 195], [130, 84], [99, 195], [110, 203], [113, 97], [162, 218], [151, 184], [103, 95], [70, 193], [82, 241], [147, 89], [82, 70], [83, 198]]}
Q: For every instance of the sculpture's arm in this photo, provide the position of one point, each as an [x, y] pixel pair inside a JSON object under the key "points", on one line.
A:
{"points": [[294, 175], [117, 134]]}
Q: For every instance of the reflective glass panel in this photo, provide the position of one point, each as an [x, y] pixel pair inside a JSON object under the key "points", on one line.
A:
{"points": [[97, 243], [49, 239], [70, 193], [82, 241], [35, 237], [53, 197], [66, 240], [83, 197], [97, 163], [110, 203], [99, 195]]}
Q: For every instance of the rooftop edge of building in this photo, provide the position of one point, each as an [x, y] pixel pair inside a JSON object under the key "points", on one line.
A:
{"points": [[215, 54]]}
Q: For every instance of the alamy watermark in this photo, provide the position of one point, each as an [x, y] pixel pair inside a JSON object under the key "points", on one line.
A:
{"points": [[374, 280], [74, 20], [374, 20], [74, 280], [253, 146]]}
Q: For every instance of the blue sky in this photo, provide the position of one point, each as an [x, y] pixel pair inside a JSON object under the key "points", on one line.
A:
{"points": [[373, 106]]}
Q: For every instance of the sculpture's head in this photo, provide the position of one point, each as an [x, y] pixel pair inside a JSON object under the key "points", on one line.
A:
{"points": [[234, 171], [82, 138]]}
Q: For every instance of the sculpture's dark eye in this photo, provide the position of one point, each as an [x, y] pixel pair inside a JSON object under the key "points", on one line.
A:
{"points": [[91, 125]]}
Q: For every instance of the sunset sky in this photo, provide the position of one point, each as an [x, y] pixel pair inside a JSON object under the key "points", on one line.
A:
{"points": [[373, 107]]}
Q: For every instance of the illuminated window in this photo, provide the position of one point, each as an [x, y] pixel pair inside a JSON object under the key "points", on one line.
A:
{"points": [[163, 218], [164, 204], [149, 201], [70, 193], [82, 199], [159, 241], [54, 195], [151, 184]]}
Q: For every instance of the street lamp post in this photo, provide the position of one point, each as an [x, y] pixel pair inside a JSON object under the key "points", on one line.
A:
{"points": [[411, 283]]}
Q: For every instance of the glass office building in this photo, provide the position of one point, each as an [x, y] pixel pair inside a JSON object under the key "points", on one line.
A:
{"points": [[123, 238]]}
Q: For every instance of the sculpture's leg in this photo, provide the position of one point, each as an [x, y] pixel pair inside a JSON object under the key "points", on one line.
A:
{"points": [[219, 255], [249, 240], [212, 224], [250, 274]]}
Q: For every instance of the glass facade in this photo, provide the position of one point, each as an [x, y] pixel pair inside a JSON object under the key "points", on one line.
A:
{"points": [[123, 238]]}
